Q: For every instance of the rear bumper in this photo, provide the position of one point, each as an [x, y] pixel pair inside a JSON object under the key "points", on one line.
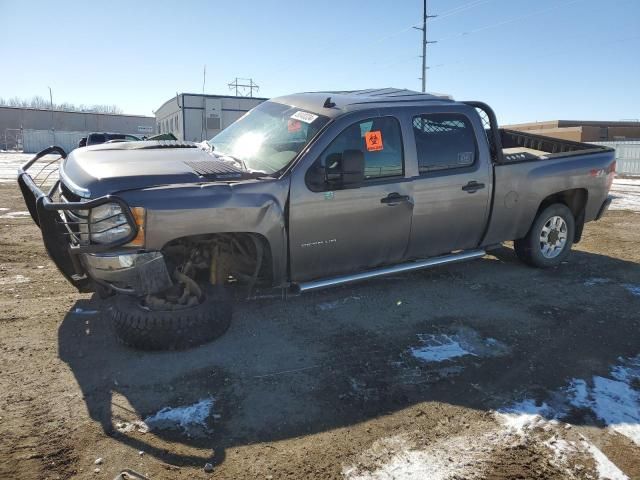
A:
{"points": [[60, 222], [604, 208]]}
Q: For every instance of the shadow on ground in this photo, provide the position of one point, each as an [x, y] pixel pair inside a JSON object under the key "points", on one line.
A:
{"points": [[337, 358]]}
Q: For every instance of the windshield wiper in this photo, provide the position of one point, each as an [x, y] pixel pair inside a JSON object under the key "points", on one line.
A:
{"points": [[239, 161]]}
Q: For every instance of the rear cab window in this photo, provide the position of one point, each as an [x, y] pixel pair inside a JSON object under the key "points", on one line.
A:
{"points": [[444, 141]]}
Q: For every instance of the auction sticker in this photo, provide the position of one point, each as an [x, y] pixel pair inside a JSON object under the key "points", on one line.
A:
{"points": [[373, 140], [305, 117]]}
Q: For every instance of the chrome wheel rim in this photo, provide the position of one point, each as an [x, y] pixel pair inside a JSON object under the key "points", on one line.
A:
{"points": [[553, 237]]}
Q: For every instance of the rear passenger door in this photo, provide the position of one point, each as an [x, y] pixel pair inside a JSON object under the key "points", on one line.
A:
{"points": [[452, 189]]}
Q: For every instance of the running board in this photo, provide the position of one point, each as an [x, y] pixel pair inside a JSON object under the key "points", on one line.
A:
{"points": [[403, 267]]}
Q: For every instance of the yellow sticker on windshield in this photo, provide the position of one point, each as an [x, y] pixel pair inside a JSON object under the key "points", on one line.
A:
{"points": [[373, 140]]}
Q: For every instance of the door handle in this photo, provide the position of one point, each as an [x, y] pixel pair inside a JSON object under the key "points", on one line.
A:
{"points": [[395, 199], [473, 187]]}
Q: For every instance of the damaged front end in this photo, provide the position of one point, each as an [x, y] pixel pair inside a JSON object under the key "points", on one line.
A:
{"points": [[67, 221]]}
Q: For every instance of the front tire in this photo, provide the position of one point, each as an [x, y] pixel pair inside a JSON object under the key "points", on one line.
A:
{"points": [[145, 329], [549, 240]]}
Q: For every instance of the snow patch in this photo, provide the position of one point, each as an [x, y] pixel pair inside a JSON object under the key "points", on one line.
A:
{"points": [[617, 404], [565, 450], [615, 401], [591, 282], [436, 348], [633, 289], [184, 418], [14, 280], [626, 194], [606, 468], [134, 426], [19, 214], [82, 311], [524, 416], [337, 303], [395, 458]]}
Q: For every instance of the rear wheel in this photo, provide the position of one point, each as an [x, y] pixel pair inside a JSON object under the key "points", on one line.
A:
{"points": [[138, 326], [549, 241]]}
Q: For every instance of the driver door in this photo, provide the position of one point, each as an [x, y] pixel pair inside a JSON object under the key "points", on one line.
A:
{"points": [[337, 228]]}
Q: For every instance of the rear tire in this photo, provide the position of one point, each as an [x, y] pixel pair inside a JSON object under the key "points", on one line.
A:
{"points": [[145, 329], [549, 240]]}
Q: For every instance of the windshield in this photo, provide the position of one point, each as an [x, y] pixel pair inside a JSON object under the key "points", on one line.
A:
{"points": [[268, 137]]}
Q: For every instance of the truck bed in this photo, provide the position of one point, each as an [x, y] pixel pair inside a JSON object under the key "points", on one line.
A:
{"points": [[520, 146]]}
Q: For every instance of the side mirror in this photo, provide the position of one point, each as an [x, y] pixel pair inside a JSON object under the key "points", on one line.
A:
{"points": [[352, 168]]}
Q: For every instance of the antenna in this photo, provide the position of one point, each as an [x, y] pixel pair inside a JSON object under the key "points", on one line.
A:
{"points": [[425, 17], [243, 87]]}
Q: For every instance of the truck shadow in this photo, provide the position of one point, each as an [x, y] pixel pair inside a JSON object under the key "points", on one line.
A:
{"points": [[343, 356]]}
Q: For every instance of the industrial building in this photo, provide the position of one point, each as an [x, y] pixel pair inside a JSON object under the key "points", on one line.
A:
{"points": [[583, 131], [32, 129], [197, 117]]}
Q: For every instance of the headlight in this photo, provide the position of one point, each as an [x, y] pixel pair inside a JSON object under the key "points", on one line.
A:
{"points": [[108, 223]]}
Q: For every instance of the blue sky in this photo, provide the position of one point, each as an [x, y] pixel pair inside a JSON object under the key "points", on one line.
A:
{"points": [[530, 59]]}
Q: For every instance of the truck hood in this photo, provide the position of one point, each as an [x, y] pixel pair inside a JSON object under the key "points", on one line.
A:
{"points": [[109, 168]]}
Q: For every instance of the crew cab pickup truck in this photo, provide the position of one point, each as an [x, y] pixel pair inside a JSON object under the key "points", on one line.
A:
{"points": [[303, 192]]}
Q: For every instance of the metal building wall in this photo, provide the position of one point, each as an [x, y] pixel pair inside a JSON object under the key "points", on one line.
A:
{"points": [[12, 118], [35, 140], [195, 117], [627, 156]]}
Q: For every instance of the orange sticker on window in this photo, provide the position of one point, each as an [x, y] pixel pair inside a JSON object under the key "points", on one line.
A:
{"points": [[373, 140], [294, 125]]}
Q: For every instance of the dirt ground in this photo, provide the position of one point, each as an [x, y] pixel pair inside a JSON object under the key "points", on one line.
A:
{"points": [[340, 383]]}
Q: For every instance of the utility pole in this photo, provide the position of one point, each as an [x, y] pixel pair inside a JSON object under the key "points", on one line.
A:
{"points": [[53, 127], [425, 17]]}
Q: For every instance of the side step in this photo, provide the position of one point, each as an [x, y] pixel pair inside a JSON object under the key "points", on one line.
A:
{"points": [[403, 267]]}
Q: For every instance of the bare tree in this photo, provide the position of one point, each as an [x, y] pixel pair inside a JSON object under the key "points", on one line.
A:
{"points": [[42, 103]]}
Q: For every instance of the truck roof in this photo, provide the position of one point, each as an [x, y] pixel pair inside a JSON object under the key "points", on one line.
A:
{"points": [[350, 100]]}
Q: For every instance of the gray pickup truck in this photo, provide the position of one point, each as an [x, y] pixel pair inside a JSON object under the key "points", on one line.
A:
{"points": [[303, 192]]}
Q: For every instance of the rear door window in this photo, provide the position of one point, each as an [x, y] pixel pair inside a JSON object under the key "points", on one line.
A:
{"points": [[444, 141]]}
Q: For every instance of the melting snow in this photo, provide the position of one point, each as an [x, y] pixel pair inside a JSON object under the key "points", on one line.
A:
{"points": [[525, 415], [614, 401], [438, 348], [442, 347], [456, 457], [634, 289], [15, 214], [13, 280], [336, 303], [185, 418], [136, 425], [626, 194], [606, 468], [590, 282], [617, 405]]}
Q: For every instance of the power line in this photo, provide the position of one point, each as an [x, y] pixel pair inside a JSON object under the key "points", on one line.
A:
{"points": [[510, 20]]}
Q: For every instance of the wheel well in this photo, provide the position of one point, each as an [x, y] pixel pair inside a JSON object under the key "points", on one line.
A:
{"points": [[237, 257], [576, 200]]}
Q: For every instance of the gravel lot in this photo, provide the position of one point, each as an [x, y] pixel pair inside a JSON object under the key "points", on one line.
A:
{"points": [[488, 369]]}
